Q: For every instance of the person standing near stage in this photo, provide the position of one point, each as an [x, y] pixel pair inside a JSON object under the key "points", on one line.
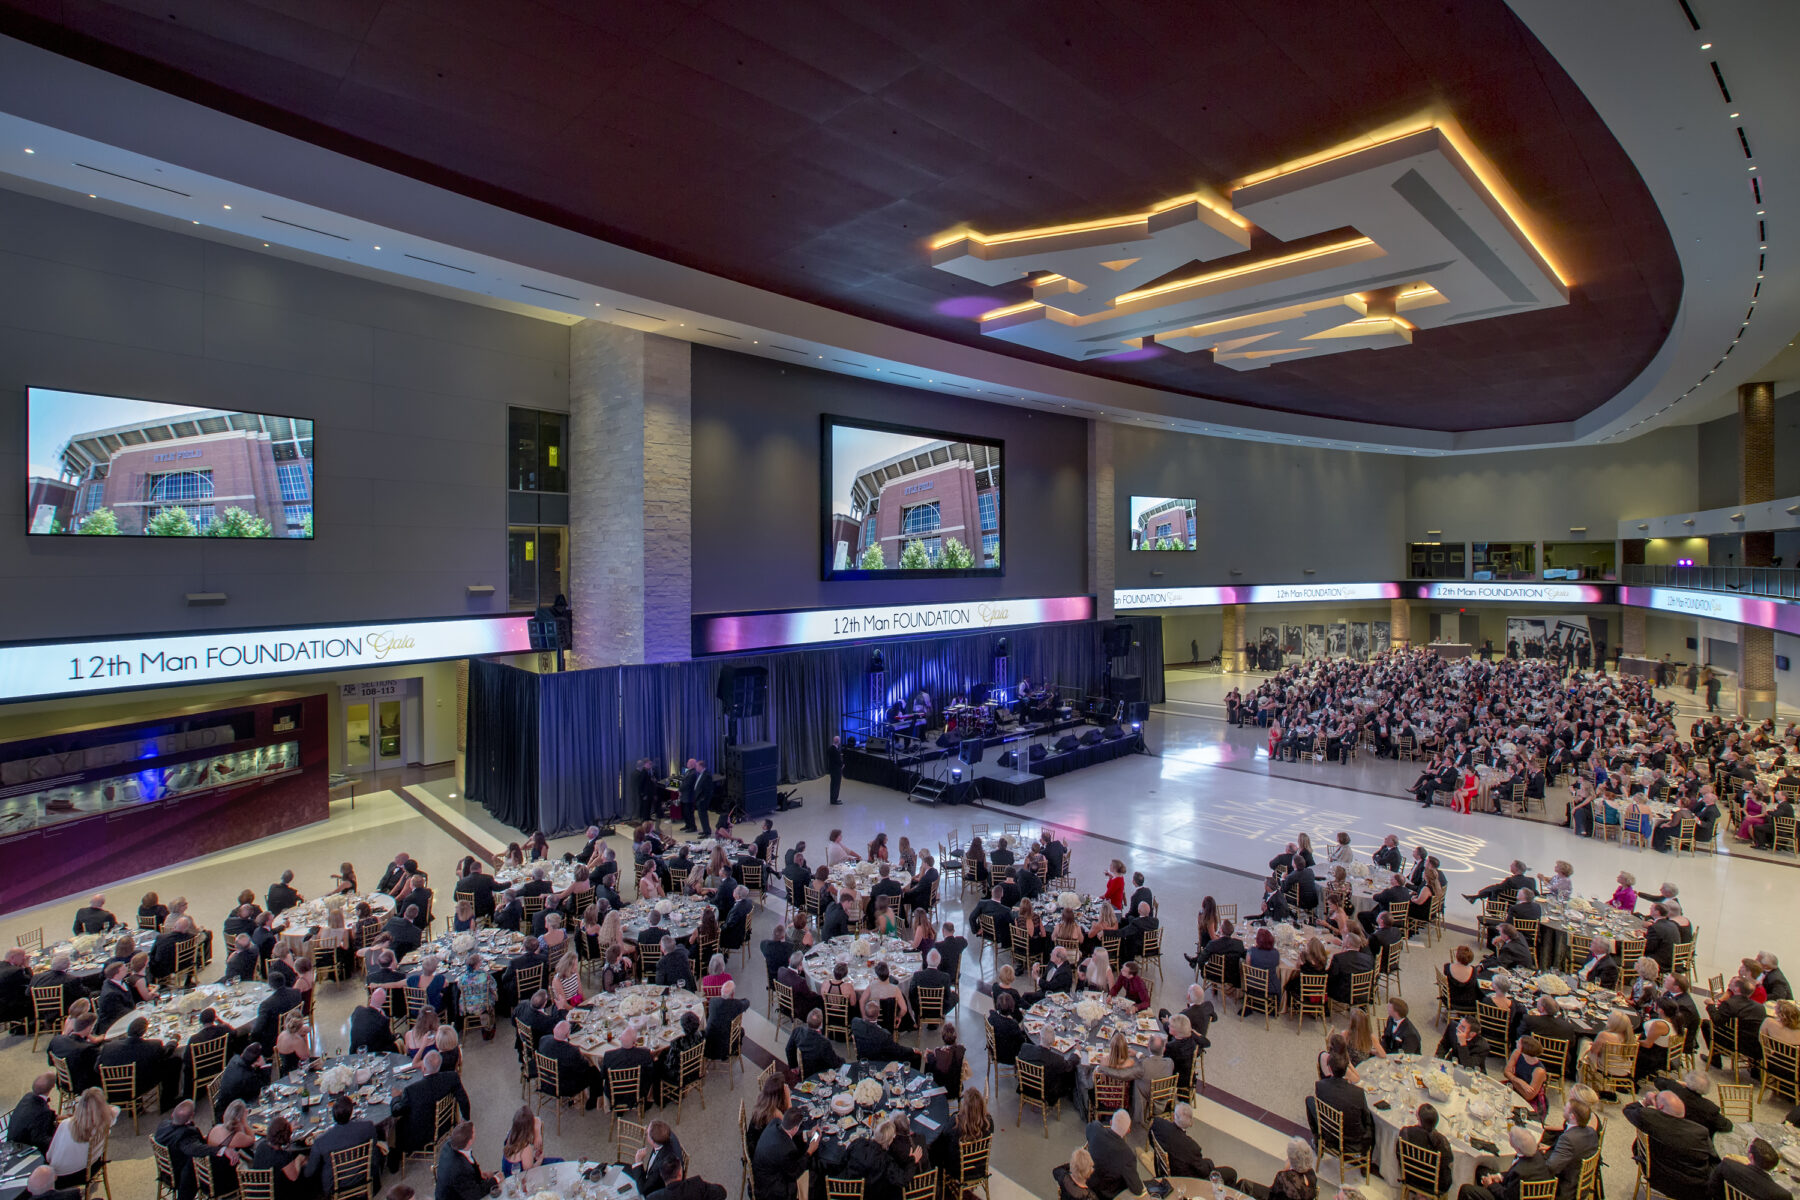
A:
{"points": [[703, 797], [647, 791], [690, 775], [834, 766]]}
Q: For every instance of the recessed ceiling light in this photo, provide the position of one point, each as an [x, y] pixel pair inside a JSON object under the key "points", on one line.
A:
{"points": [[196, 222], [1706, 45], [91, 196], [265, 245], [29, 150], [228, 208], [1734, 116], [378, 247]]}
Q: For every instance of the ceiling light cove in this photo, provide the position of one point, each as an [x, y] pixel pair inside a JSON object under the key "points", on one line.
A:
{"points": [[1377, 241]]}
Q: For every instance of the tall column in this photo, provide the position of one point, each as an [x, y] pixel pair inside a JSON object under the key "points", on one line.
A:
{"points": [[1399, 624], [630, 501], [1633, 631], [1101, 538], [1756, 485], [1231, 638]]}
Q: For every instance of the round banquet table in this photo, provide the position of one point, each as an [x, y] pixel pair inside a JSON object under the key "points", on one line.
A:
{"points": [[904, 1089], [94, 953], [1586, 1005], [1293, 944], [305, 920], [600, 1021], [863, 876], [682, 919], [1058, 1023], [823, 959], [175, 1016], [301, 1098], [17, 1162], [565, 1180], [497, 947], [1783, 1137], [560, 874], [1583, 916], [1390, 1081]]}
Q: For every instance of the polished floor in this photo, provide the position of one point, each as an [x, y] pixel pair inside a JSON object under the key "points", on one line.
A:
{"points": [[1199, 815]]}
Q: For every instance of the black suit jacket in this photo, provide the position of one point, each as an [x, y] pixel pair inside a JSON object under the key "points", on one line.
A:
{"points": [[371, 1030], [778, 1164], [1416, 1135], [810, 1052], [32, 1123], [1681, 1151], [875, 1044], [1185, 1156], [145, 1055], [703, 791], [416, 1110], [1348, 1099], [572, 1070], [282, 897], [337, 1137], [241, 1081], [1400, 1039], [114, 1002], [458, 1178], [93, 920], [720, 1011], [82, 1057], [691, 1188], [622, 1059], [833, 922], [1115, 1163], [184, 1143], [1752, 1181]]}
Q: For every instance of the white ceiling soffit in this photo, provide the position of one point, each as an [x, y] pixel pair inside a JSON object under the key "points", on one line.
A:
{"points": [[334, 208], [1650, 74]]}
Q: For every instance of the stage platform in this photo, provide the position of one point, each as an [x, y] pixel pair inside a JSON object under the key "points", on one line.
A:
{"points": [[987, 779]]}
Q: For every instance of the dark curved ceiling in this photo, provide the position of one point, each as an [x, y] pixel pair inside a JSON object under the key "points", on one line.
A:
{"points": [[812, 147]]}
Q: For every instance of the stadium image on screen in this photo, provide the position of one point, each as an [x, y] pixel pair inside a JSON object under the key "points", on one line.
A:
{"points": [[903, 501], [110, 466], [1162, 523]]}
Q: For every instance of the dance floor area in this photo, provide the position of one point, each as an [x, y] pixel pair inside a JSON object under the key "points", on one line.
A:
{"points": [[1200, 814]]}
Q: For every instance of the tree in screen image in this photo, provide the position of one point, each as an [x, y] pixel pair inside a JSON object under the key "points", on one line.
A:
{"points": [[914, 558], [170, 522], [237, 523], [100, 522], [871, 559], [955, 556], [306, 527]]}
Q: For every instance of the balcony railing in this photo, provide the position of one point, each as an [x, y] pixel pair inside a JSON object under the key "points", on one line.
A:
{"points": [[1780, 582]]}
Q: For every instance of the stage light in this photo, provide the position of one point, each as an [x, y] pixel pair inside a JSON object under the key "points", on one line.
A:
{"points": [[1136, 726], [956, 772]]}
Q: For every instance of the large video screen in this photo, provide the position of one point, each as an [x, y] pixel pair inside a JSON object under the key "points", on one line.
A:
{"points": [[1163, 523], [109, 466], [900, 501]]}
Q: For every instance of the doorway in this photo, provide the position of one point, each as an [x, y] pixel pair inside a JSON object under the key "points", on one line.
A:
{"points": [[373, 739]]}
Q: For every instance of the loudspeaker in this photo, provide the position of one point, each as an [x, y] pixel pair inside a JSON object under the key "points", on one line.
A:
{"points": [[1091, 738], [877, 745], [1037, 753], [1009, 759], [949, 741], [1118, 639], [1138, 710], [970, 751], [1114, 731], [751, 772], [1067, 741], [744, 690], [1129, 688]]}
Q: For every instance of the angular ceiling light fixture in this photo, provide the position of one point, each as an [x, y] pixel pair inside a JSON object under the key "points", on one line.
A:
{"points": [[1375, 240]]}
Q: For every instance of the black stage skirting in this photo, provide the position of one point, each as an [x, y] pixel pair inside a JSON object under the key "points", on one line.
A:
{"points": [[1061, 763]]}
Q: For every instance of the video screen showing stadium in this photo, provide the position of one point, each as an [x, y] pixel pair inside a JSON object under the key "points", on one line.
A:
{"points": [[111, 466], [1163, 523], [905, 502]]}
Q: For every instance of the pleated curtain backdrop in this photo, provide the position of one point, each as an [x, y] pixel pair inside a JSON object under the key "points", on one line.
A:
{"points": [[591, 727]]}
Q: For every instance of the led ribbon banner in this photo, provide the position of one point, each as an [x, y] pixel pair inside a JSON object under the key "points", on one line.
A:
{"points": [[736, 633], [1262, 593]]}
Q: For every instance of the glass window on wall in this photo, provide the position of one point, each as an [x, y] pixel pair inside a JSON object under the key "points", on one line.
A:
{"points": [[1581, 560], [1503, 560], [1435, 560], [537, 565], [537, 451]]}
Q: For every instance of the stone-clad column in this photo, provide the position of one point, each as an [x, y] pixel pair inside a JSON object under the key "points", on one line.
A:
{"points": [[630, 503], [1101, 565], [1756, 485], [1633, 631], [1231, 638], [1399, 624]]}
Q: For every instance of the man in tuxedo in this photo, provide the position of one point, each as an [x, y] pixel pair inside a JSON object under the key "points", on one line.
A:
{"points": [[833, 921], [15, 986], [1692, 1089], [721, 1011], [41, 1185], [629, 1056], [478, 886], [1743, 1014], [1463, 1045], [734, 925], [163, 951], [415, 1112], [793, 973], [183, 1140], [1518, 881], [1546, 1020], [690, 776], [674, 969], [282, 895], [995, 908], [115, 999], [647, 792], [883, 886], [1387, 855], [395, 873], [781, 1158], [537, 1015], [1228, 948], [809, 1051], [1511, 950], [776, 951], [1576, 1142], [950, 945], [402, 932], [703, 796], [1681, 1151], [1775, 984], [1396, 890], [1115, 1162], [1424, 1135], [1059, 977], [242, 1079], [876, 1044], [269, 1013], [1337, 1091], [33, 1119], [834, 766], [673, 1183], [1601, 967], [459, 1176], [529, 956], [1399, 1035], [1131, 933], [1528, 1166], [346, 1132], [81, 1050], [93, 917], [1751, 1178], [1174, 1133], [1353, 959], [931, 975], [155, 1064], [919, 894], [574, 1074], [1300, 884]]}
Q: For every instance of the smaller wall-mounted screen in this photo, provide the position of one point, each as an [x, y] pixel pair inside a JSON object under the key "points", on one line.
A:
{"points": [[904, 502], [1163, 523], [111, 466]]}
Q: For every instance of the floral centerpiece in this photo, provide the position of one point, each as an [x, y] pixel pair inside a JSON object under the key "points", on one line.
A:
{"points": [[336, 1080], [1553, 985], [462, 945], [1091, 1011], [665, 907], [861, 948], [868, 1093], [1068, 900], [193, 1002], [1361, 870], [85, 943]]}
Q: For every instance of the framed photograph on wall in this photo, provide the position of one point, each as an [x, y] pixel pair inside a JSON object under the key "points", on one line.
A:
{"points": [[1359, 640], [1314, 646], [1337, 639], [1380, 637], [1290, 639]]}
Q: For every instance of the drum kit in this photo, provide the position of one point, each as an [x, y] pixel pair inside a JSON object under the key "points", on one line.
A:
{"points": [[972, 720]]}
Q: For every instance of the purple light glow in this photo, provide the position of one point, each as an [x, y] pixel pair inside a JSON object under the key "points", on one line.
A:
{"points": [[966, 306]]}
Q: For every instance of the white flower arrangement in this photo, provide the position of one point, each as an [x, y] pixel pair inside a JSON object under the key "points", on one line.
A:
{"points": [[1361, 870], [1285, 934], [463, 945], [337, 1079], [665, 907], [1068, 900], [193, 1002], [860, 947], [546, 1194], [868, 1093], [84, 943], [1090, 1011]]}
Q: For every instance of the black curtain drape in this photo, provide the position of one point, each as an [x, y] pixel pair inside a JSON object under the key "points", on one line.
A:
{"points": [[501, 764], [596, 724]]}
